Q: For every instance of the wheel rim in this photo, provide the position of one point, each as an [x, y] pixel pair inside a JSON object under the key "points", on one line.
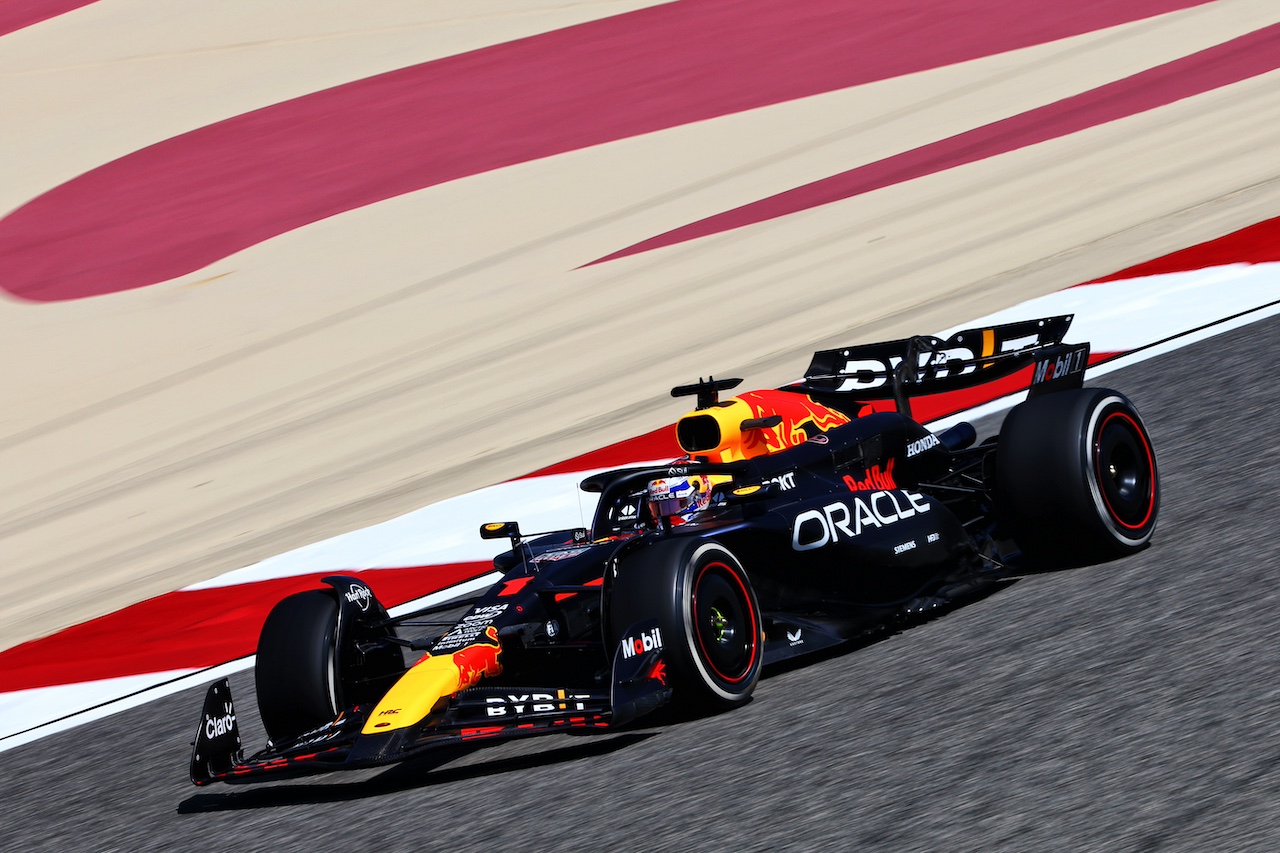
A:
{"points": [[1124, 467], [724, 623]]}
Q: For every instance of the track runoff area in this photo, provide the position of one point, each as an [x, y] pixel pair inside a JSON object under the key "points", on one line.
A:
{"points": [[208, 630]]}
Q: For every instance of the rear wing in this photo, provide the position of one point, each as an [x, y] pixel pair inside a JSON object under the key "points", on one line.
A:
{"points": [[925, 364]]}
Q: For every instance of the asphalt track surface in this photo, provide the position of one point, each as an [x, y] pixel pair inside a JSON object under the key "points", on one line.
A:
{"points": [[1129, 706]]}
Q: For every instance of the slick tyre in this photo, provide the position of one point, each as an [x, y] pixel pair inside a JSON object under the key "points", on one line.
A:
{"points": [[712, 628], [1076, 478], [295, 671]]}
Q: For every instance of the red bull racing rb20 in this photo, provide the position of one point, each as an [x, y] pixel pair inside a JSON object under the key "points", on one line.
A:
{"points": [[800, 519]]}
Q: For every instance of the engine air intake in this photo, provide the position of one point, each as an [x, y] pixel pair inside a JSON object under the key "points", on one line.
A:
{"points": [[698, 433]]}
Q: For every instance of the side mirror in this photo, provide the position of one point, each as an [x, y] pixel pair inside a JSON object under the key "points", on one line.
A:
{"points": [[501, 530]]}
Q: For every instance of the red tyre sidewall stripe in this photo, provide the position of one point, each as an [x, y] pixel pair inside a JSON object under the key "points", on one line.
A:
{"points": [[1151, 467], [751, 613]]}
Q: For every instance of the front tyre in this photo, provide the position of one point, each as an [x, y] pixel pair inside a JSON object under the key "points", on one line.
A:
{"points": [[295, 673], [1076, 477], [711, 623]]}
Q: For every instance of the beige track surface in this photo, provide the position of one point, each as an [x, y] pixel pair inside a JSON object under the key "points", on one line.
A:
{"points": [[385, 358]]}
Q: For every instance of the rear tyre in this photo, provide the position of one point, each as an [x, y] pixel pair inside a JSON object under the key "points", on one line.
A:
{"points": [[1076, 478], [295, 672], [712, 628]]}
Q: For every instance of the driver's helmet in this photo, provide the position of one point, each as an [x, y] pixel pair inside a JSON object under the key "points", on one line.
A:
{"points": [[678, 498]]}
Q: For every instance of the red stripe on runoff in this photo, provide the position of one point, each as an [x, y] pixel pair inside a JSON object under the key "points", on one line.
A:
{"points": [[186, 202], [1257, 244], [18, 14], [195, 629], [1233, 61]]}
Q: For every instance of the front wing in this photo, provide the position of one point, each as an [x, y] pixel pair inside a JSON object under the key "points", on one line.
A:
{"points": [[478, 714], [475, 715]]}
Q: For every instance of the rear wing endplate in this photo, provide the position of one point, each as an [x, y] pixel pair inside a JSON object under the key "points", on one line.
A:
{"points": [[925, 364]]}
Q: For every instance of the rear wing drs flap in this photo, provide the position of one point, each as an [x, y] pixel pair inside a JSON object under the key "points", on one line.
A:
{"points": [[925, 364]]}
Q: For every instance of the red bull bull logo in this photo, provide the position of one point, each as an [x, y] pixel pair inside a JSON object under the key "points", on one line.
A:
{"points": [[434, 679], [801, 418], [478, 659]]}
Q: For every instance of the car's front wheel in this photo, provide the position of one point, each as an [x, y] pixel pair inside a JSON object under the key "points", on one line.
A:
{"points": [[295, 673], [712, 628]]}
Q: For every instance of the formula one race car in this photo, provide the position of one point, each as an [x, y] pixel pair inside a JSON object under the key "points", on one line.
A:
{"points": [[801, 518]]}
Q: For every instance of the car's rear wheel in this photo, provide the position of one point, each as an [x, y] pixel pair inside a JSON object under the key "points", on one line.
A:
{"points": [[1076, 477], [295, 673], [711, 624]]}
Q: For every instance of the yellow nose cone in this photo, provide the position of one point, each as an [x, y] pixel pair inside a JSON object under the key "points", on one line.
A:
{"points": [[432, 679]]}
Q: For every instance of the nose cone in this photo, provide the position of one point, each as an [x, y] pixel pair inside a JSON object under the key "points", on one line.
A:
{"points": [[432, 679]]}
